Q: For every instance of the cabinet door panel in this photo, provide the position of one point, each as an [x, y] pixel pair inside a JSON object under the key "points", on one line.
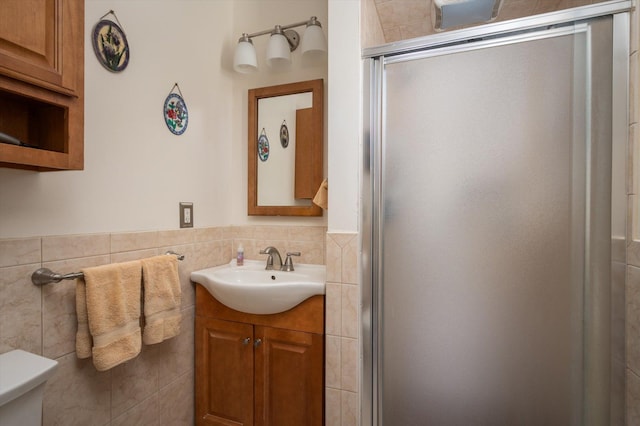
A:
{"points": [[37, 42], [224, 379], [289, 378]]}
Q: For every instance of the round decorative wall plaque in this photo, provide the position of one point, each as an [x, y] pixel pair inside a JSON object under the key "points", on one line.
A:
{"points": [[110, 44], [284, 134], [176, 116], [263, 146]]}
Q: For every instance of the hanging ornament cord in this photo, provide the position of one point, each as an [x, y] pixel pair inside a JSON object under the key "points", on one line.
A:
{"points": [[176, 86], [111, 12], [284, 123], [263, 133]]}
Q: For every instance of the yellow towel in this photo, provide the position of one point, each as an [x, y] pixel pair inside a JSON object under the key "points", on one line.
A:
{"points": [[112, 301], [322, 196], [162, 298], [84, 342]]}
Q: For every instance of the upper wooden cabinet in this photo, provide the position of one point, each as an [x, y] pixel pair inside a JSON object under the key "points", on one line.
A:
{"points": [[42, 83], [37, 42]]}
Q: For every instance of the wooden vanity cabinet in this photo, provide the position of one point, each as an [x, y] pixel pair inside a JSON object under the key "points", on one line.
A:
{"points": [[42, 83], [265, 370], [224, 372]]}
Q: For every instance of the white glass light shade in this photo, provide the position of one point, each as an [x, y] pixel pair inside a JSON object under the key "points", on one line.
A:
{"points": [[314, 43], [278, 52], [244, 59]]}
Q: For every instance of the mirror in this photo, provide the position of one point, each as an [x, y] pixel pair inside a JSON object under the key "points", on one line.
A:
{"points": [[285, 152]]}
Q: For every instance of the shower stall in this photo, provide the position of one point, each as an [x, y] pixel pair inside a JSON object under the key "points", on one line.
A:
{"points": [[493, 228]]}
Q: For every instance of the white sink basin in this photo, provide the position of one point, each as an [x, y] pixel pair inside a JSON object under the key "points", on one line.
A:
{"points": [[252, 289]]}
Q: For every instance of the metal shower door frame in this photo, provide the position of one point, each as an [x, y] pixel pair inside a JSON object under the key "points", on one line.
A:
{"points": [[371, 182]]}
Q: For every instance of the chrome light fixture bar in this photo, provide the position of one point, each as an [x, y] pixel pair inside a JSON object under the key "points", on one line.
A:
{"points": [[283, 41]]}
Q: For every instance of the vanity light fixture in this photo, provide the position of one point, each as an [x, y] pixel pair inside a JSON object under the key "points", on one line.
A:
{"points": [[282, 42]]}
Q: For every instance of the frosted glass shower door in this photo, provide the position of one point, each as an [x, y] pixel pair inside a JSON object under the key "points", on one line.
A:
{"points": [[486, 185]]}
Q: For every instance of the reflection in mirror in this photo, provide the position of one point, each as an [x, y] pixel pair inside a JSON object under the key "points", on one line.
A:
{"points": [[276, 174], [285, 149]]}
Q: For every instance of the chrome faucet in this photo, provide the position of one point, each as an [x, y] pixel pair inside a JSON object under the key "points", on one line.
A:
{"points": [[271, 251]]}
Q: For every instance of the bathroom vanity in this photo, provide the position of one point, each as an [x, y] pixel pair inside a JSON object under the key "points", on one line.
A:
{"points": [[259, 369]]}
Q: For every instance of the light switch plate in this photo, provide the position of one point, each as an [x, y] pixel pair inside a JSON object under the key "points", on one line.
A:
{"points": [[186, 215]]}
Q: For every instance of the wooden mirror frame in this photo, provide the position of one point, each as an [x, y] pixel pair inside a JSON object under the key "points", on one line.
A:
{"points": [[316, 87]]}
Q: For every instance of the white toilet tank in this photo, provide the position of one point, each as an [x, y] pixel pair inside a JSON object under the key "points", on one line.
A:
{"points": [[22, 379]]}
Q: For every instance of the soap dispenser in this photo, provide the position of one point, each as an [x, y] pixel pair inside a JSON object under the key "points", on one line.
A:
{"points": [[240, 256]]}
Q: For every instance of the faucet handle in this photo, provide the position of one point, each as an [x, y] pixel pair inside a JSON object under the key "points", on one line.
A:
{"points": [[288, 263]]}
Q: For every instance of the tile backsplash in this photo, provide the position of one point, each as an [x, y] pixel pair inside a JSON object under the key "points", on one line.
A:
{"points": [[155, 388]]}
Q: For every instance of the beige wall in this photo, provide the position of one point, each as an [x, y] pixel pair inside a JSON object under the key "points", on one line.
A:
{"points": [[402, 19], [372, 33], [157, 386], [136, 171], [124, 204]]}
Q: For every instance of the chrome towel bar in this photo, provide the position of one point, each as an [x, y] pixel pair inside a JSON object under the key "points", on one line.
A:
{"points": [[44, 276]]}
